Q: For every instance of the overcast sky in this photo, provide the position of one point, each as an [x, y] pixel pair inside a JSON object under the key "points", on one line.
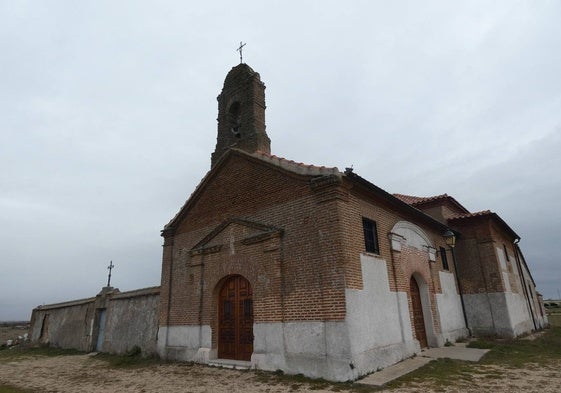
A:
{"points": [[108, 119]]}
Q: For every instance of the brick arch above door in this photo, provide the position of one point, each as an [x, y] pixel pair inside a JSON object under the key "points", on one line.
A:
{"points": [[405, 233]]}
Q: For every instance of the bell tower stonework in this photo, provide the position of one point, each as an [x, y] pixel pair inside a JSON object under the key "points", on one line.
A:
{"points": [[241, 113]]}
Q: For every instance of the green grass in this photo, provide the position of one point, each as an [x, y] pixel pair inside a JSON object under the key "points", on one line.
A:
{"points": [[515, 353], [295, 382], [12, 389], [554, 319], [15, 353]]}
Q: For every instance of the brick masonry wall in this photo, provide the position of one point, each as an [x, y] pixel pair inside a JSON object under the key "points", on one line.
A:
{"points": [[477, 257], [294, 276], [299, 275], [401, 265], [361, 205], [503, 242]]}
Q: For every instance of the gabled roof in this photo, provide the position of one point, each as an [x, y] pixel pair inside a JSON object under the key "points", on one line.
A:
{"points": [[293, 166], [467, 215], [311, 171], [411, 199], [485, 213], [290, 166], [420, 201]]}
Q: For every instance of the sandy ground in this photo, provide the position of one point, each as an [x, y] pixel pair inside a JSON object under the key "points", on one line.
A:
{"points": [[84, 373]]}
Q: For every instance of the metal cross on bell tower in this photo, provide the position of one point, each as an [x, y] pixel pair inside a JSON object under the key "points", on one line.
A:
{"points": [[110, 267], [240, 50]]}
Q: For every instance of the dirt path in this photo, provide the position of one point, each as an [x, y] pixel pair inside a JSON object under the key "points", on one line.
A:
{"points": [[85, 374]]}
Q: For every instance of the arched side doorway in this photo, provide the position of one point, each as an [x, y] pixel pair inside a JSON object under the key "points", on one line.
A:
{"points": [[418, 317], [235, 319]]}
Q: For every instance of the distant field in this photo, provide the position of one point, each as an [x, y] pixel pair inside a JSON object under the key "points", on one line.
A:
{"points": [[554, 319], [11, 331]]}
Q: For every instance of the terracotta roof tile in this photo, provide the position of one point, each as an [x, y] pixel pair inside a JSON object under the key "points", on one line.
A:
{"points": [[298, 167], [288, 165], [470, 215], [414, 200]]}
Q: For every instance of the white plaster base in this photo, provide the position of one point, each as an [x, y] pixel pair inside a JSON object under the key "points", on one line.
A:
{"points": [[377, 333], [378, 321], [501, 314], [519, 313], [185, 343], [315, 349], [452, 324]]}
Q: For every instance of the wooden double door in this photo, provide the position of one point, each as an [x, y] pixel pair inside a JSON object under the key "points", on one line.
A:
{"points": [[418, 317], [235, 319]]}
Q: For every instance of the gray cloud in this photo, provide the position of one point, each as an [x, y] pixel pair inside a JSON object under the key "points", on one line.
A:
{"points": [[108, 120]]}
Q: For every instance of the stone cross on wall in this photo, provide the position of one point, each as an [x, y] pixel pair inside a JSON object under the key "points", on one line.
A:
{"points": [[110, 267]]}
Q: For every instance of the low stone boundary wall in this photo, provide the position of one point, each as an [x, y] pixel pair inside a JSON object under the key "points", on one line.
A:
{"points": [[112, 322]]}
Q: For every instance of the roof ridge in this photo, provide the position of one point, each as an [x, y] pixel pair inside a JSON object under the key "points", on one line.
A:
{"points": [[413, 199], [294, 166], [469, 215]]}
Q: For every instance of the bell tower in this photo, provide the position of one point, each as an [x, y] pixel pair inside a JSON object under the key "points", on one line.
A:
{"points": [[241, 113]]}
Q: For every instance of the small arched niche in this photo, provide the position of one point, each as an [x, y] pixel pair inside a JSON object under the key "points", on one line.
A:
{"points": [[412, 236]]}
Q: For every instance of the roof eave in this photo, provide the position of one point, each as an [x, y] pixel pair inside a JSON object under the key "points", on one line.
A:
{"points": [[394, 201], [493, 216]]}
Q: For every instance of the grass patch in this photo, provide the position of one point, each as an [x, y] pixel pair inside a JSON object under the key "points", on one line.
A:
{"points": [[12, 389], [513, 353], [554, 319], [22, 352], [299, 381], [519, 352], [439, 372]]}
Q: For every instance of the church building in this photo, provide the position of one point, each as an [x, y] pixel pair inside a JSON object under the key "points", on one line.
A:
{"points": [[277, 265], [311, 270]]}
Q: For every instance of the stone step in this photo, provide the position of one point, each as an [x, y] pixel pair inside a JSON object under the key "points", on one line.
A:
{"points": [[230, 363]]}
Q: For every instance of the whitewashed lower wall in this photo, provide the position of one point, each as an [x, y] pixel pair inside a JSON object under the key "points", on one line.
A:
{"points": [[378, 321], [185, 343], [376, 333], [502, 314], [315, 349], [520, 317], [449, 304]]}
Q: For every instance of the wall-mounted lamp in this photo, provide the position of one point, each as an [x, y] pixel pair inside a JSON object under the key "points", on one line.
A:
{"points": [[449, 238]]}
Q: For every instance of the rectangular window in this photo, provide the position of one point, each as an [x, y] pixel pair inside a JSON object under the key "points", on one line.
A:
{"points": [[370, 236], [444, 258], [506, 252]]}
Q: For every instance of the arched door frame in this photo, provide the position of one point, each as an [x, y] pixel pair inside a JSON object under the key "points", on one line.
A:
{"points": [[235, 318], [427, 309]]}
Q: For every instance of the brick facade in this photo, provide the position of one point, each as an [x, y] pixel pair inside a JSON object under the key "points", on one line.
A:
{"points": [[295, 232], [320, 303]]}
